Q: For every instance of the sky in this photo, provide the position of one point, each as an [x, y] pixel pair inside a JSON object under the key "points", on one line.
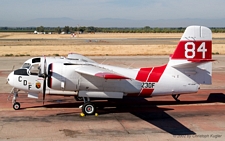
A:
{"points": [[23, 10]]}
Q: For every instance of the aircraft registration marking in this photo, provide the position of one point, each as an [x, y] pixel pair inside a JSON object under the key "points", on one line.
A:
{"points": [[149, 85]]}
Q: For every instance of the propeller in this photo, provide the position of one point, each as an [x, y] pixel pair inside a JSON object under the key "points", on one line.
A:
{"points": [[7, 81], [44, 75]]}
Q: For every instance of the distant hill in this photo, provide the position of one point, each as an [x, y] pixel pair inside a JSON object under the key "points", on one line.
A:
{"points": [[110, 22]]}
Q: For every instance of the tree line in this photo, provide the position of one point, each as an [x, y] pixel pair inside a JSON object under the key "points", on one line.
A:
{"points": [[92, 29]]}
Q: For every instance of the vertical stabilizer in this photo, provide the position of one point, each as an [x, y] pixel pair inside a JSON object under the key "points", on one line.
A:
{"points": [[193, 55]]}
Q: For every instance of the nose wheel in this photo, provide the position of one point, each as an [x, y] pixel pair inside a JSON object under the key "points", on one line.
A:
{"points": [[16, 106]]}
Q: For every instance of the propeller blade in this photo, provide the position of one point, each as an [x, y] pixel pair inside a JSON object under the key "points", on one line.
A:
{"points": [[7, 80], [45, 67], [43, 74], [44, 89]]}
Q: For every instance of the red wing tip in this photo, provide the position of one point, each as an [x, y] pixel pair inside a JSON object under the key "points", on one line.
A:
{"points": [[110, 76]]}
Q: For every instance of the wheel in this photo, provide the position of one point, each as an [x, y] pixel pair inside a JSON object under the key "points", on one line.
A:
{"points": [[77, 98], [88, 108], [16, 106]]}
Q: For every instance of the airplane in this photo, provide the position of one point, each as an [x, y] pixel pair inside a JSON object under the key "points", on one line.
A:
{"points": [[188, 67]]}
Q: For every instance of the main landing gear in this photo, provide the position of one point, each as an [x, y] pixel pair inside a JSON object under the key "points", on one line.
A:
{"points": [[88, 108], [175, 96]]}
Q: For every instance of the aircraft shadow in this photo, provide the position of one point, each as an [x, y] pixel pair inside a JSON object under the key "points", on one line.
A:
{"points": [[216, 97], [154, 115], [167, 123], [145, 110]]}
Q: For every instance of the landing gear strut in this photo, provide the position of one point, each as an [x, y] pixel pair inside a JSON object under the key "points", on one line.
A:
{"points": [[77, 98], [175, 96]]}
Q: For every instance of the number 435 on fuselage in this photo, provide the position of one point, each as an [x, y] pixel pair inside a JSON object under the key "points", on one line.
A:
{"points": [[189, 66]]}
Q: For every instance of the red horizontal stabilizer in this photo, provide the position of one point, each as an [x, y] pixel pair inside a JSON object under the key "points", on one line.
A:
{"points": [[107, 75]]}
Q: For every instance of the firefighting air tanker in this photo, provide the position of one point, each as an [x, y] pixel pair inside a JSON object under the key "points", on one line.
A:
{"points": [[189, 66]]}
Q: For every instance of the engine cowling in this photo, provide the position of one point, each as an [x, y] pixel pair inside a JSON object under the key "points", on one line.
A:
{"points": [[62, 77]]}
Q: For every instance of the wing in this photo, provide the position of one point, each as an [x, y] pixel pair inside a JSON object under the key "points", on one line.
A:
{"points": [[74, 56], [99, 72]]}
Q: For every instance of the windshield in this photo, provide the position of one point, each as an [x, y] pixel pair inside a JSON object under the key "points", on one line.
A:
{"points": [[21, 72], [26, 66]]}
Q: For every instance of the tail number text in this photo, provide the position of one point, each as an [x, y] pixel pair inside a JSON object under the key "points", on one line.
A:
{"points": [[190, 49]]}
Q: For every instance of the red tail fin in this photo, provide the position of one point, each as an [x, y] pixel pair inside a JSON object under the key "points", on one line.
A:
{"points": [[195, 44]]}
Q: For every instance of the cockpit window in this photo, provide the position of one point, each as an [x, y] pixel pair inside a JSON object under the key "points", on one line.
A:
{"points": [[34, 70], [36, 60], [21, 72], [26, 65]]}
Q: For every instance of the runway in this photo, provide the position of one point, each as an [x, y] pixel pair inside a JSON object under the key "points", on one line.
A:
{"points": [[198, 116]]}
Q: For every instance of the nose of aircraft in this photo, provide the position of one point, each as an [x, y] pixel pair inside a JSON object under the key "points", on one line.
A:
{"points": [[10, 79]]}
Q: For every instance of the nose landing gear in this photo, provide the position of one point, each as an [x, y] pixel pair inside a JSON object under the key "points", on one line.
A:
{"points": [[16, 105]]}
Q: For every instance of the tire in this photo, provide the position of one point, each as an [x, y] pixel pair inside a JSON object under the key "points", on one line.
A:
{"points": [[88, 108], [16, 106]]}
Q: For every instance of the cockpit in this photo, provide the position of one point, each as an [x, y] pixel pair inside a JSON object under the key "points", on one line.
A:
{"points": [[30, 67], [33, 66], [32, 61]]}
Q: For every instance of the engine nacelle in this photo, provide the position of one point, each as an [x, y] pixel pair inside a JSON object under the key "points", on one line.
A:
{"points": [[62, 77]]}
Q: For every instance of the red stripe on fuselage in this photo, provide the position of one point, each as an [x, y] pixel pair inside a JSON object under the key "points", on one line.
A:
{"points": [[149, 75], [143, 74], [146, 92], [156, 74]]}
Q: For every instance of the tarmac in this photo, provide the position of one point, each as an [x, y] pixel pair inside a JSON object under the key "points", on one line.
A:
{"points": [[198, 116]]}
